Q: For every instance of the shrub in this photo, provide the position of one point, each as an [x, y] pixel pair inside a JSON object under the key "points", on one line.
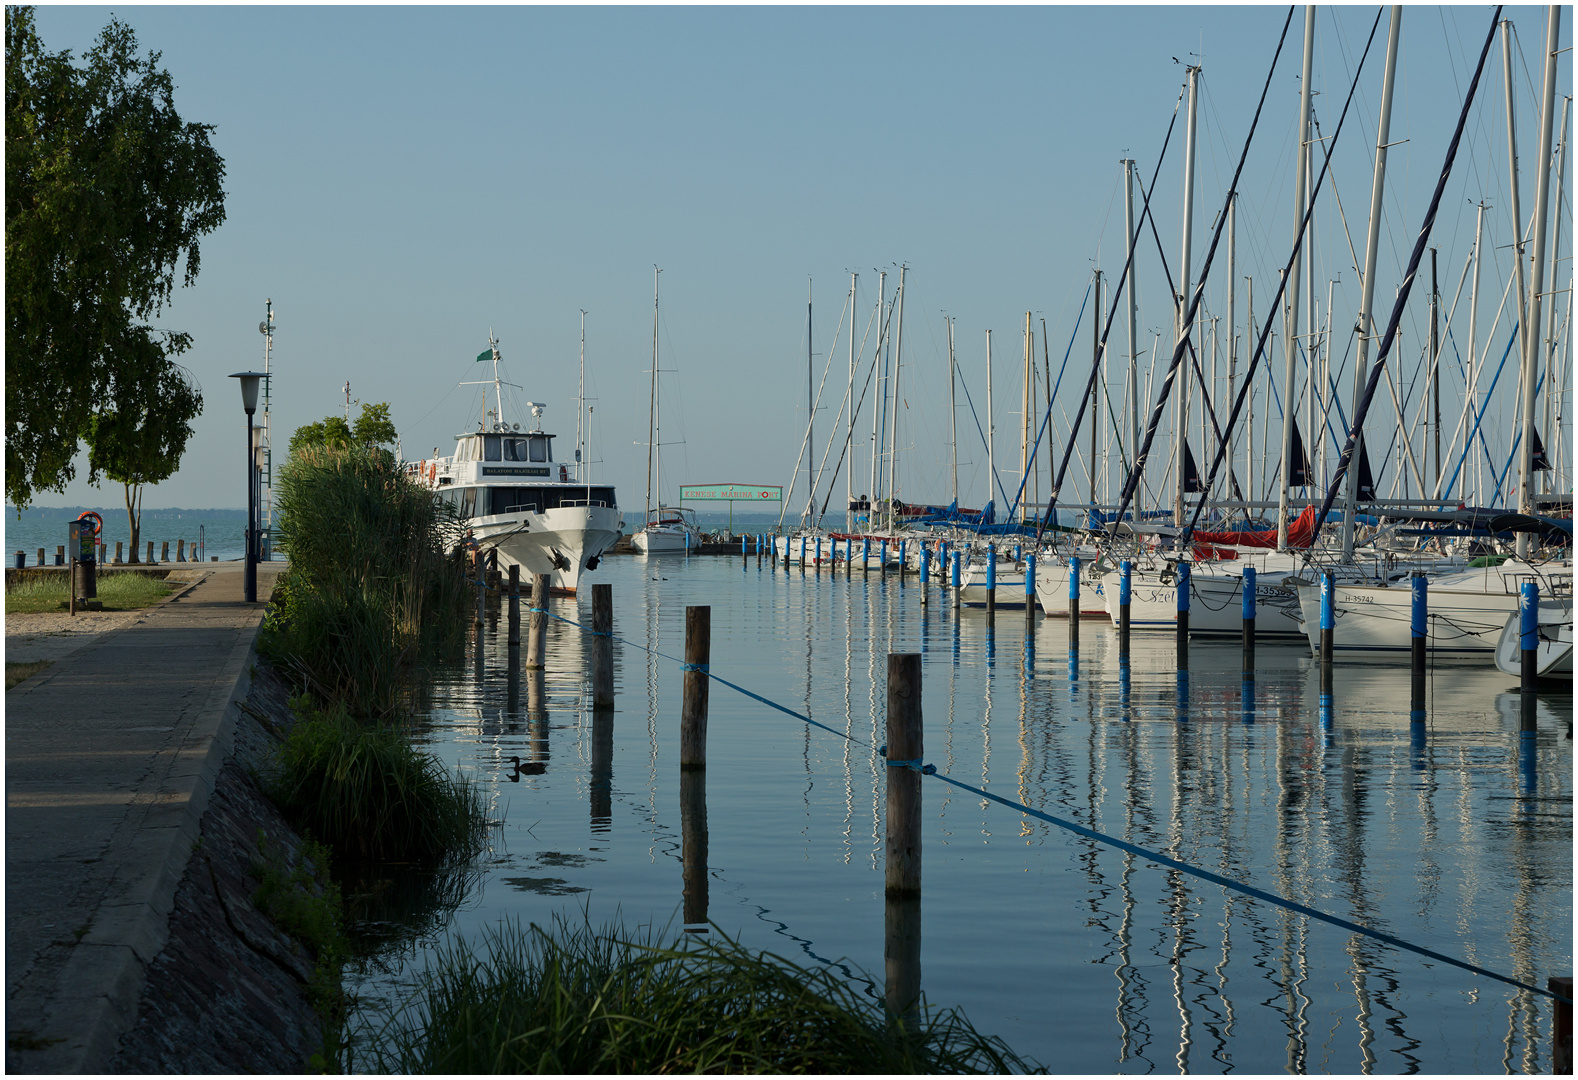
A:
{"points": [[370, 589], [363, 790]]}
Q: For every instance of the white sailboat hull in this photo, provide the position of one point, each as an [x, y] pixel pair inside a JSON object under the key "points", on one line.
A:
{"points": [[1553, 653], [663, 540]]}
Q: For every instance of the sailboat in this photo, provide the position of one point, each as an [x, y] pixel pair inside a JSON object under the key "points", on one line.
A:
{"points": [[667, 530]]}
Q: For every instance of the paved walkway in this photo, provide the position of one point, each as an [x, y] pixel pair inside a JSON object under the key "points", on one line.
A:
{"points": [[110, 758]]}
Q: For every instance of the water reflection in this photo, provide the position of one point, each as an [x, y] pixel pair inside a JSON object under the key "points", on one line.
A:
{"points": [[1446, 831]]}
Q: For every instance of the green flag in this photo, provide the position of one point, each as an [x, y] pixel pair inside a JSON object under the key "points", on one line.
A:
{"points": [[487, 355]]}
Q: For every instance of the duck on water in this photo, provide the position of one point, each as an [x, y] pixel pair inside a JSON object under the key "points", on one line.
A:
{"points": [[516, 499]]}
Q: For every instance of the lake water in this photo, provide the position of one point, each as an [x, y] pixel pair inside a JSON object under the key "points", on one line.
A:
{"points": [[221, 531], [1078, 954]]}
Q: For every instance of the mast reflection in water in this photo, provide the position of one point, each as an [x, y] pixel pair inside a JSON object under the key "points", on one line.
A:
{"points": [[1086, 957]]}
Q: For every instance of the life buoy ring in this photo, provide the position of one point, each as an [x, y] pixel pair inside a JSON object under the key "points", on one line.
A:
{"points": [[98, 522]]}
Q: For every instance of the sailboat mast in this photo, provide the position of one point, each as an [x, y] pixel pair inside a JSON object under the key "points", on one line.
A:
{"points": [[893, 425], [1095, 392], [991, 427], [1185, 270], [1367, 325], [1512, 193], [1232, 332], [1542, 192], [1134, 355], [953, 417], [1024, 409], [849, 474], [1290, 325], [652, 409], [810, 408], [879, 407]]}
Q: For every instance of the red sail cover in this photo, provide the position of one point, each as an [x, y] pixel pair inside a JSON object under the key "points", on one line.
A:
{"points": [[1301, 534]]}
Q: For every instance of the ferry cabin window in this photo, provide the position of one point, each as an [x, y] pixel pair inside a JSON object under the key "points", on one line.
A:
{"points": [[513, 500], [490, 448], [468, 503]]}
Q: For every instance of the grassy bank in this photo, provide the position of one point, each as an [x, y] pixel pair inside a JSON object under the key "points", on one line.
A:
{"points": [[578, 1000], [117, 592]]}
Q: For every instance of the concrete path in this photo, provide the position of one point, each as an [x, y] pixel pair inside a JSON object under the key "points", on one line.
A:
{"points": [[110, 758]]}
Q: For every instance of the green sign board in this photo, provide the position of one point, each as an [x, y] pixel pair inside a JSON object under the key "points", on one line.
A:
{"points": [[730, 493]]}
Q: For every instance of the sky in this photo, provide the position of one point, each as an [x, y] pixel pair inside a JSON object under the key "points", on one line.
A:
{"points": [[403, 182]]}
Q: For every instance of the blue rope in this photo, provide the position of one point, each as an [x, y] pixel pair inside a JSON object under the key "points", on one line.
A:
{"points": [[1091, 834], [1248, 890]]}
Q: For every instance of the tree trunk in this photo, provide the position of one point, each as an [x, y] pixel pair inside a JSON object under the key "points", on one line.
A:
{"points": [[133, 516]]}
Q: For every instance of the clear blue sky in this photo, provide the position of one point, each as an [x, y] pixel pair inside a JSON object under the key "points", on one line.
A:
{"points": [[402, 180]]}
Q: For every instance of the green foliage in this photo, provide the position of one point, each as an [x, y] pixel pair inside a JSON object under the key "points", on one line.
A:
{"points": [[107, 191], [331, 431], [370, 589], [117, 592], [143, 445], [366, 793], [373, 428], [579, 1001]]}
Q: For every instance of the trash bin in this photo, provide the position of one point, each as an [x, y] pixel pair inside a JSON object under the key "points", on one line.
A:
{"points": [[21, 559]]}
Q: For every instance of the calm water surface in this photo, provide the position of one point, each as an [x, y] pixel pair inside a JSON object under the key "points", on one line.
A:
{"points": [[1080, 955]]}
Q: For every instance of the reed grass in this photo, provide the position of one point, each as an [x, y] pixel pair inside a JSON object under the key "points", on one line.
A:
{"points": [[582, 1001], [117, 592], [364, 791], [375, 581]]}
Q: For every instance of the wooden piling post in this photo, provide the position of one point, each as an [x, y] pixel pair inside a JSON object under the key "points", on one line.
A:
{"points": [[515, 606], [476, 569], [693, 710], [693, 848], [180, 551], [602, 647], [905, 745], [537, 629], [164, 551], [1562, 1025], [118, 544], [150, 552], [41, 555]]}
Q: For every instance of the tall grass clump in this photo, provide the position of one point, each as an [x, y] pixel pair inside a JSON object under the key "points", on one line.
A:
{"points": [[582, 1001], [364, 791], [375, 581], [116, 592]]}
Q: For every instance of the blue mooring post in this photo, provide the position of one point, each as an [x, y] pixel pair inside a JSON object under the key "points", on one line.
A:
{"points": [[865, 554], [1529, 625], [1328, 617], [1419, 627], [882, 557], [904, 556], [1181, 581], [1073, 601], [819, 553], [802, 551], [1249, 598], [1030, 588], [1125, 577], [991, 582], [955, 579], [925, 568]]}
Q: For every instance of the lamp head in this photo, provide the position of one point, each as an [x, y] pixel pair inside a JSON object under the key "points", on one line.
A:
{"points": [[249, 389]]}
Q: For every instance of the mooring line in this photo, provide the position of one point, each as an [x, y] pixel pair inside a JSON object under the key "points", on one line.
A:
{"points": [[1249, 890], [1102, 838]]}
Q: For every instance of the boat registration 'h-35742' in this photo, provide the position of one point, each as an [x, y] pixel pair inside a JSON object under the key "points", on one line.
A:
{"points": [[516, 499]]}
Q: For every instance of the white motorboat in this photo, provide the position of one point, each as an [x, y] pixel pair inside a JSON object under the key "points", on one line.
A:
{"points": [[517, 500], [1553, 652]]}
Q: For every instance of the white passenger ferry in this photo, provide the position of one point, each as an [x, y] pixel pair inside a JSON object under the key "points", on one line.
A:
{"points": [[517, 500]]}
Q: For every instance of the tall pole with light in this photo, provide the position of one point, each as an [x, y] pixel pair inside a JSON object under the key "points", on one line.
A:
{"points": [[249, 401]]}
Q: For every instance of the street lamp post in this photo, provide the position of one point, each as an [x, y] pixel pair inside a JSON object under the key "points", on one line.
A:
{"points": [[249, 402]]}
